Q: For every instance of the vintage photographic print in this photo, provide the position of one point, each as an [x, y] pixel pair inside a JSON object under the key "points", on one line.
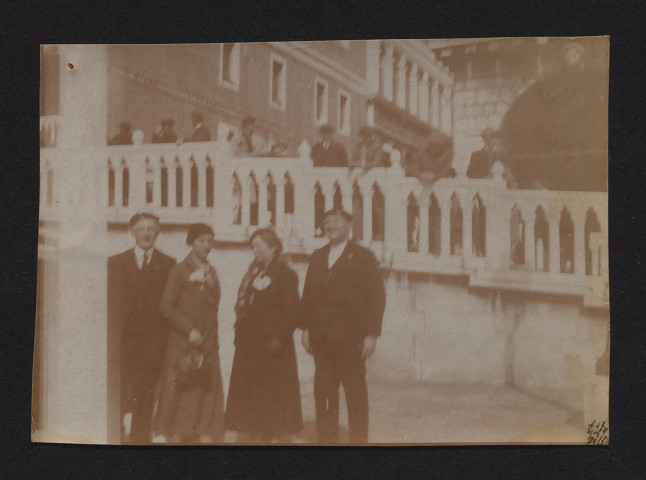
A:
{"points": [[319, 243]]}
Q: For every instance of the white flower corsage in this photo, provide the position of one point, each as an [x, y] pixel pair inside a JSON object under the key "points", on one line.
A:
{"points": [[261, 282], [198, 276]]}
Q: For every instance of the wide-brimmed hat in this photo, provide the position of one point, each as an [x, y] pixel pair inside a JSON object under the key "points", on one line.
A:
{"points": [[338, 211]]}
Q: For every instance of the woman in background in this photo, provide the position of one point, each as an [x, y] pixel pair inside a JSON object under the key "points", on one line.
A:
{"points": [[264, 403], [191, 403]]}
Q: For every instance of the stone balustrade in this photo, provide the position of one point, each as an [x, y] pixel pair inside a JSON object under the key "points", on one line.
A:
{"points": [[542, 241]]}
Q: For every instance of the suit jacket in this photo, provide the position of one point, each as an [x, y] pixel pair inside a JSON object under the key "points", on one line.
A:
{"points": [[345, 303], [133, 304], [201, 134], [333, 156]]}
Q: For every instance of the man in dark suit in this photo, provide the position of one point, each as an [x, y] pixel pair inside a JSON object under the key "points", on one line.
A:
{"points": [[482, 160], [137, 334], [327, 152], [201, 132], [341, 315]]}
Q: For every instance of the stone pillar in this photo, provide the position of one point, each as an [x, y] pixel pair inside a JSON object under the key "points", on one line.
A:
{"points": [[445, 227], [579, 248], [400, 94], [373, 65], [435, 104], [118, 184], [554, 252], [186, 182], [387, 65], [367, 214], [412, 90], [171, 167], [423, 98], [247, 185], [530, 241], [447, 107], [423, 222], [280, 202], [157, 190], [467, 230], [201, 182], [263, 213], [75, 343]]}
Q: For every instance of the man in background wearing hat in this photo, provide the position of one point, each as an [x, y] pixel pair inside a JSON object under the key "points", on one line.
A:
{"points": [[123, 137], [137, 333], [201, 132], [327, 152], [482, 160], [341, 315], [368, 153], [165, 133]]}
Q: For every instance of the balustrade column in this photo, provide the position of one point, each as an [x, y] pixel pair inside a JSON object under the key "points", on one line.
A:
{"points": [[412, 90], [346, 196], [137, 184], [387, 66], [400, 94], [118, 185], [530, 242], [445, 228], [201, 183], [435, 106], [263, 213], [554, 252], [157, 190], [329, 197], [245, 199], [446, 110], [467, 231], [423, 224], [367, 215], [423, 98], [579, 249], [172, 179], [280, 204], [186, 182]]}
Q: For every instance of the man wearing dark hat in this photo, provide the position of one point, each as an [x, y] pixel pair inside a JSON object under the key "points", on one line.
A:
{"points": [[341, 315], [165, 132], [136, 332], [201, 132], [482, 160], [327, 152], [123, 137], [368, 153]]}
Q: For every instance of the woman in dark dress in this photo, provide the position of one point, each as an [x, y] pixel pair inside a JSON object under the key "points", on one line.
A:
{"points": [[264, 403], [191, 402]]}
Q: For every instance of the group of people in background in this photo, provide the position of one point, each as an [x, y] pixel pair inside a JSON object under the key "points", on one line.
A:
{"points": [[166, 318], [431, 160]]}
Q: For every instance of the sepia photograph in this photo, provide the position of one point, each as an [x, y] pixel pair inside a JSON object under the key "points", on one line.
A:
{"points": [[343, 242]]}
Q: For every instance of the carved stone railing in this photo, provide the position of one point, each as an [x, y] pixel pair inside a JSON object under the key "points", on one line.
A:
{"points": [[526, 240]]}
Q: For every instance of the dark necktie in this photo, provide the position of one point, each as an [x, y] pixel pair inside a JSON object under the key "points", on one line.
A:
{"points": [[145, 260]]}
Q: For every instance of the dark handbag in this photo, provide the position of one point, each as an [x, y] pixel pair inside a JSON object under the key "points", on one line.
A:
{"points": [[193, 368]]}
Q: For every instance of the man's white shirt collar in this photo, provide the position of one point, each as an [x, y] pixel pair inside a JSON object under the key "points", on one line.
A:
{"points": [[335, 253], [139, 255]]}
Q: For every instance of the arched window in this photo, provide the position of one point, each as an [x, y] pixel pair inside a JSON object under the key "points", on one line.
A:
{"points": [[378, 214], [164, 184], [357, 212], [111, 186], [194, 183], [434, 225], [542, 241], [289, 195], [253, 200], [125, 178], [271, 199], [319, 210], [236, 200], [337, 199], [456, 226], [478, 227], [210, 179], [566, 241], [591, 225], [179, 183], [412, 224], [517, 237]]}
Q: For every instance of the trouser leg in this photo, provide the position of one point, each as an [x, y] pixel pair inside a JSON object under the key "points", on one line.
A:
{"points": [[353, 376], [326, 396]]}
